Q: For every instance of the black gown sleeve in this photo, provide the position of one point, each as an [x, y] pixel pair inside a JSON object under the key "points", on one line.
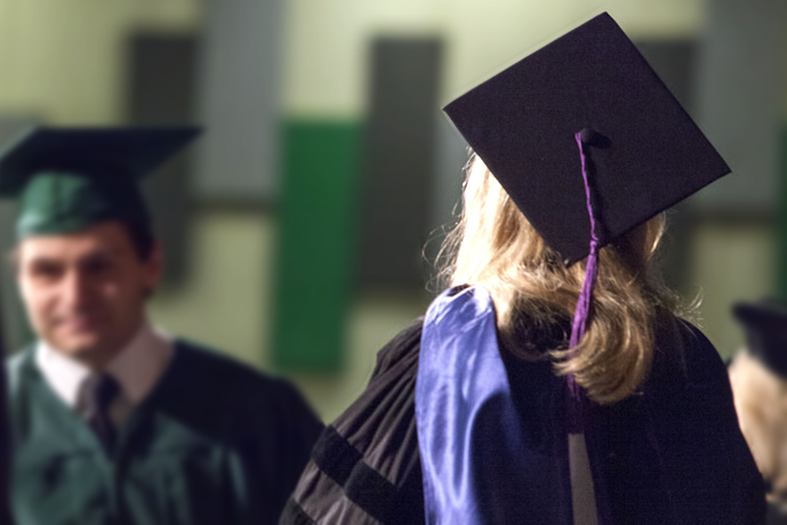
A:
{"points": [[716, 445], [365, 467], [301, 430], [674, 452]]}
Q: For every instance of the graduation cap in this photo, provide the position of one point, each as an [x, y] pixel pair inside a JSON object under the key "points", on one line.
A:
{"points": [[766, 332], [643, 151], [66, 179]]}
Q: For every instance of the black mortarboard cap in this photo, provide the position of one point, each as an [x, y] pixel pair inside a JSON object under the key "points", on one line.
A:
{"points": [[66, 179], [766, 332], [644, 151]]}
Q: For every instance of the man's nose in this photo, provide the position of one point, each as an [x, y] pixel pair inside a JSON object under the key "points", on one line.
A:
{"points": [[75, 288]]}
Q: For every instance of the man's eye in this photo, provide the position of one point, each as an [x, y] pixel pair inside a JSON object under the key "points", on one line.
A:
{"points": [[96, 266], [46, 270]]}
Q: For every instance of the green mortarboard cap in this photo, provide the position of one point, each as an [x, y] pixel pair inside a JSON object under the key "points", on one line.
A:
{"points": [[66, 179]]}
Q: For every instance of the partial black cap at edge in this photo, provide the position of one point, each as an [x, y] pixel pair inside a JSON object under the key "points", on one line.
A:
{"points": [[765, 323]]}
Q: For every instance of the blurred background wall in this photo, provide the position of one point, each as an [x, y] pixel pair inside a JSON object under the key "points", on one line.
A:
{"points": [[298, 230]]}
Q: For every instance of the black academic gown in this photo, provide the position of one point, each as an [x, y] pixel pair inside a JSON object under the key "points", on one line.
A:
{"points": [[672, 453], [214, 443]]}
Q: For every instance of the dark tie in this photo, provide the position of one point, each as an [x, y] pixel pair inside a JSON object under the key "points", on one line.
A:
{"points": [[97, 393]]}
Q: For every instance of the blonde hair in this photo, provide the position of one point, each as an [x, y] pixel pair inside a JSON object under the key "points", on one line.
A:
{"points": [[495, 246]]}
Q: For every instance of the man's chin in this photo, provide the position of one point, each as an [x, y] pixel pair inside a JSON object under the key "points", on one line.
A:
{"points": [[80, 347]]}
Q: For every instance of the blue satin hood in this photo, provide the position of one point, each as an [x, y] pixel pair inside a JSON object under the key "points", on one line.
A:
{"points": [[482, 463]]}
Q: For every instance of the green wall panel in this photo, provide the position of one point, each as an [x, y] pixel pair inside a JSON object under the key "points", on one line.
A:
{"points": [[316, 244]]}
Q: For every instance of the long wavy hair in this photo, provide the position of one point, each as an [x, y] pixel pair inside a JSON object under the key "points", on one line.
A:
{"points": [[495, 246]]}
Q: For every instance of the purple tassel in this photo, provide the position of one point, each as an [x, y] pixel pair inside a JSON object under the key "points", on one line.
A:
{"points": [[576, 408]]}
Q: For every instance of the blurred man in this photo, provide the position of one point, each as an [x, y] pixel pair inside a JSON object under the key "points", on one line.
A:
{"points": [[759, 383], [114, 421]]}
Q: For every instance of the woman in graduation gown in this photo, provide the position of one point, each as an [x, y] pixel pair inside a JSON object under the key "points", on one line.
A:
{"points": [[551, 383]]}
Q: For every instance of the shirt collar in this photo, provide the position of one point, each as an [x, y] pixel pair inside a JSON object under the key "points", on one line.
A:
{"points": [[137, 367]]}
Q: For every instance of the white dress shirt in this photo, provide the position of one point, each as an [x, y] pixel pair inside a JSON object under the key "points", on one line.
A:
{"points": [[137, 369]]}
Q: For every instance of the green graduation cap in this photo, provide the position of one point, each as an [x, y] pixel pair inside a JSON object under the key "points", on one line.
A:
{"points": [[66, 179]]}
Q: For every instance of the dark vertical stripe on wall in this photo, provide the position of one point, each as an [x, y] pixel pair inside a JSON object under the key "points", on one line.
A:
{"points": [[161, 91], [782, 240], [399, 162], [313, 276], [16, 329]]}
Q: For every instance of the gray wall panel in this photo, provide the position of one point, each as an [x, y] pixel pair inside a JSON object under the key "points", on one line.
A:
{"points": [[239, 101], [741, 90]]}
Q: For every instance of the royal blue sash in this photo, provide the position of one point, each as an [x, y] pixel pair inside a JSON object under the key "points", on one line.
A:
{"points": [[477, 465]]}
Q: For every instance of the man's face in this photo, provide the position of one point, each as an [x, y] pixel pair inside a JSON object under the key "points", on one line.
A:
{"points": [[85, 292]]}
